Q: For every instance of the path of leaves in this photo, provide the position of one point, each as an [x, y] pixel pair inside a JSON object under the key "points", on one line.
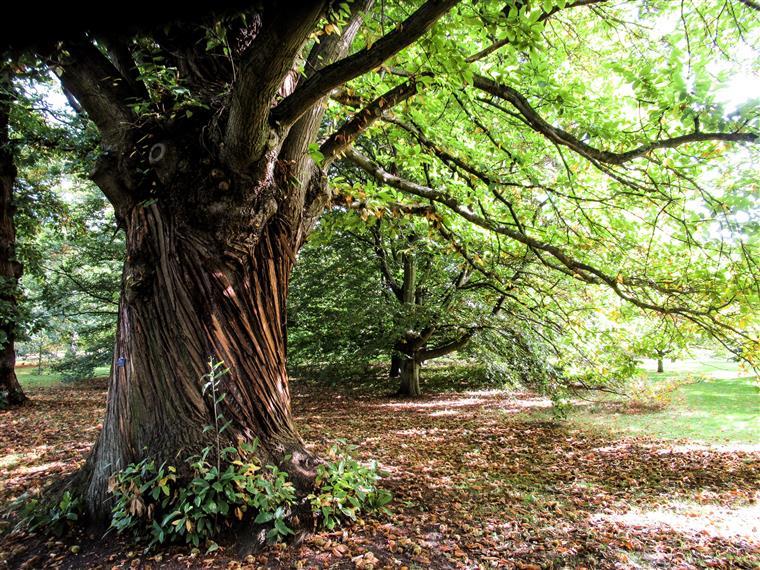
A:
{"points": [[477, 484]]}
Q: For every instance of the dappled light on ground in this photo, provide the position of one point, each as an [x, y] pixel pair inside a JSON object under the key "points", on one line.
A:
{"points": [[451, 404], [47, 437], [479, 481], [693, 518]]}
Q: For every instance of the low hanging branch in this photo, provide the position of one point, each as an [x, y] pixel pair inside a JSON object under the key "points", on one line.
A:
{"points": [[462, 341], [705, 317]]}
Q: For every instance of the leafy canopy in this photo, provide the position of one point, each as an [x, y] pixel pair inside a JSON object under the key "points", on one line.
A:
{"points": [[599, 143]]}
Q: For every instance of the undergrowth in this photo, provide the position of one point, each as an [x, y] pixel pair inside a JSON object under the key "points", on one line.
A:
{"points": [[220, 488]]}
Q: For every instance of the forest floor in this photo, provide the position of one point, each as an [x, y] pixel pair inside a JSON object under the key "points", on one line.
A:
{"points": [[480, 479]]}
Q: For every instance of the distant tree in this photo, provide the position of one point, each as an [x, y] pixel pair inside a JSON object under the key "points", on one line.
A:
{"points": [[659, 339], [77, 281], [67, 236], [390, 290], [339, 322], [373, 282], [439, 306]]}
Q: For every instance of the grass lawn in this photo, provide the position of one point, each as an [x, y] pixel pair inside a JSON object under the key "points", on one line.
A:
{"points": [[29, 378], [721, 404]]}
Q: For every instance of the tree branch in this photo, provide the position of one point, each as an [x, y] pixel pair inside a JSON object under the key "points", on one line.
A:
{"points": [[382, 258], [443, 155], [332, 76], [304, 205], [122, 60], [100, 90], [449, 347], [563, 138], [334, 46], [268, 60], [485, 52], [362, 120]]}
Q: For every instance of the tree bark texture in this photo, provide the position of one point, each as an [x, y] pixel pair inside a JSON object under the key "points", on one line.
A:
{"points": [[185, 298]]}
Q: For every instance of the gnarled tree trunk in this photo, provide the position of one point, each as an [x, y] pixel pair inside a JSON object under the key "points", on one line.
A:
{"points": [[11, 393], [216, 192], [185, 298]]}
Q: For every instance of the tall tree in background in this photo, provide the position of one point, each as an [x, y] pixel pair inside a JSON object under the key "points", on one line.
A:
{"points": [[439, 307], [11, 393], [364, 290], [217, 139]]}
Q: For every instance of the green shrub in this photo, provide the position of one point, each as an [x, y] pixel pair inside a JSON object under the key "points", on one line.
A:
{"points": [[345, 487], [272, 497], [223, 485], [152, 498], [57, 517], [228, 485]]}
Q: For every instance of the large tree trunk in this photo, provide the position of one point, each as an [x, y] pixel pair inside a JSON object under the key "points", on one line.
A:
{"points": [[215, 204], [186, 298], [660, 364], [11, 393], [410, 377]]}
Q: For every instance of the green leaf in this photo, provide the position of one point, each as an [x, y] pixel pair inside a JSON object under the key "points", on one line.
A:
{"points": [[316, 154]]}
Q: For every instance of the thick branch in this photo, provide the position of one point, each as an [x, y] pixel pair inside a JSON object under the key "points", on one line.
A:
{"points": [[332, 76], [121, 57], [269, 59], [308, 206], [329, 49], [563, 138], [100, 89], [449, 347], [362, 120]]}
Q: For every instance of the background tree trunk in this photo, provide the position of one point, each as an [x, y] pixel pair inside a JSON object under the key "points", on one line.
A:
{"points": [[10, 268], [395, 369], [186, 298], [410, 377], [660, 364]]}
